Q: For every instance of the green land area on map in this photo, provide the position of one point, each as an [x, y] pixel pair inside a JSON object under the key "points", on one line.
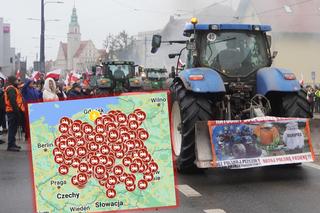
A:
{"points": [[55, 192]]}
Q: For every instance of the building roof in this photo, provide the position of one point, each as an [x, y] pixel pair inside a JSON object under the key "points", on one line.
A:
{"points": [[297, 16], [65, 49], [82, 46]]}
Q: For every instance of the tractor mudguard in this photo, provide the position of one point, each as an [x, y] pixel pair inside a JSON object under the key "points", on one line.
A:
{"points": [[270, 79], [202, 80]]}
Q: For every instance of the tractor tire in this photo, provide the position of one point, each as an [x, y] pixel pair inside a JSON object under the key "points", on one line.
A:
{"points": [[192, 108], [296, 105]]}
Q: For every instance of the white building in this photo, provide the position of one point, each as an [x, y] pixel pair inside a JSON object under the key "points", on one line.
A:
{"points": [[7, 53], [76, 54]]}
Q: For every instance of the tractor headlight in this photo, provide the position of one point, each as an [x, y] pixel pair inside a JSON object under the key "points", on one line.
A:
{"points": [[289, 76], [196, 77]]}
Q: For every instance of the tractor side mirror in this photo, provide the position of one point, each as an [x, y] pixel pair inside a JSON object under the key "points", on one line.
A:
{"points": [[173, 55], [269, 40], [156, 43]]}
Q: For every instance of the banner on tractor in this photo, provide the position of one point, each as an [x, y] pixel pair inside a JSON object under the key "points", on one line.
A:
{"points": [[102, 154], [260, 142]]}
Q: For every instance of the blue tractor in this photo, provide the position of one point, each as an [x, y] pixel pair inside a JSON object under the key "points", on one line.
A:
{"points": [[228, 76]]}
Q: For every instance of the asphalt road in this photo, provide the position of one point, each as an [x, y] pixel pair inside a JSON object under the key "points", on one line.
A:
{"points": [[262, 190]]}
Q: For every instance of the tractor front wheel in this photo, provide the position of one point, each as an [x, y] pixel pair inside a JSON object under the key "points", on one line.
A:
{"points": [[187, 109]]}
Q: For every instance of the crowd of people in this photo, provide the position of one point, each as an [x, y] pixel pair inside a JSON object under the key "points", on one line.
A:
{"points": [[15, 94], [313, 96]]}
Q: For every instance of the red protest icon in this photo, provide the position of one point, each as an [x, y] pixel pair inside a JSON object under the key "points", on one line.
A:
{"points": [[63, 169], [126, 161], [143, 135], [148, 177], [121, 117], [82, 178], [142, 184], [131, 188], [65, 120], [81, 151], [76, 127], [111, 193], [59, 158], [74, 180], [141, 115], [119, 154], [129, 181], [63, 128], [133, 125], [56, 151], [113, 135], [75, 162], [100, 128], [83, 167], [118, 170], [92, 146], [104, 149], [112, 180], [69, 152], [94, 160], [87, 129], [99, 169], [134, 168]]}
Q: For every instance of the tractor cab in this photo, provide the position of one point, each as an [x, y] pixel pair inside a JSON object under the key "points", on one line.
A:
{"points": [[155, 79], [118, 76], [154, 74]]}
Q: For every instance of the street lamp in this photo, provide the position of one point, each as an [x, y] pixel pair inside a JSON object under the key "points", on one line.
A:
{"points": [[42, 57]]}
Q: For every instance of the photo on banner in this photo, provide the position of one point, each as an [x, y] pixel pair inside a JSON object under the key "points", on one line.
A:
{"points": [[263, 142]]}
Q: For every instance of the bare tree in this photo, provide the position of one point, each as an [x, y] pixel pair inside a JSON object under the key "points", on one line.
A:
{"points": [[118, 46]]}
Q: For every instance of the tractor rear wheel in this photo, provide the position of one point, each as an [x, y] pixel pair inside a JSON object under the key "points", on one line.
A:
{"points": [[296, 105], [293, 105], [187, 109]]}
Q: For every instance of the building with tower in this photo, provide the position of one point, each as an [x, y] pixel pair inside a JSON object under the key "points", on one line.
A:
{"points": [[77, 55]]}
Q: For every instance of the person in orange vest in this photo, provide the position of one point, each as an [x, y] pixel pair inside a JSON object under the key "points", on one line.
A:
{"points": [[15, 111]]}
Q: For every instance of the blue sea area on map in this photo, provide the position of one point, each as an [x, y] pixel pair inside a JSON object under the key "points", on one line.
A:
{"points": [[53, 111]]}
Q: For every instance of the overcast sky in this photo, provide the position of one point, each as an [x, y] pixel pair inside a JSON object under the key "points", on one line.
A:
{"points": [[97, 18]]}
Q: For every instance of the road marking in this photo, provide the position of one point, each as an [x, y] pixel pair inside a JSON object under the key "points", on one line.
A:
{"points": [[214, 211], [188, 191], [312, 165]]}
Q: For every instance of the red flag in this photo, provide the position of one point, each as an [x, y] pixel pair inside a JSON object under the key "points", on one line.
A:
{"points": [[55, 74], [36, 76], [181, 64], [18, 74]]}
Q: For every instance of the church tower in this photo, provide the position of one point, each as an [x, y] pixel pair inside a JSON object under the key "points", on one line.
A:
{"points": [[74, 38]]}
